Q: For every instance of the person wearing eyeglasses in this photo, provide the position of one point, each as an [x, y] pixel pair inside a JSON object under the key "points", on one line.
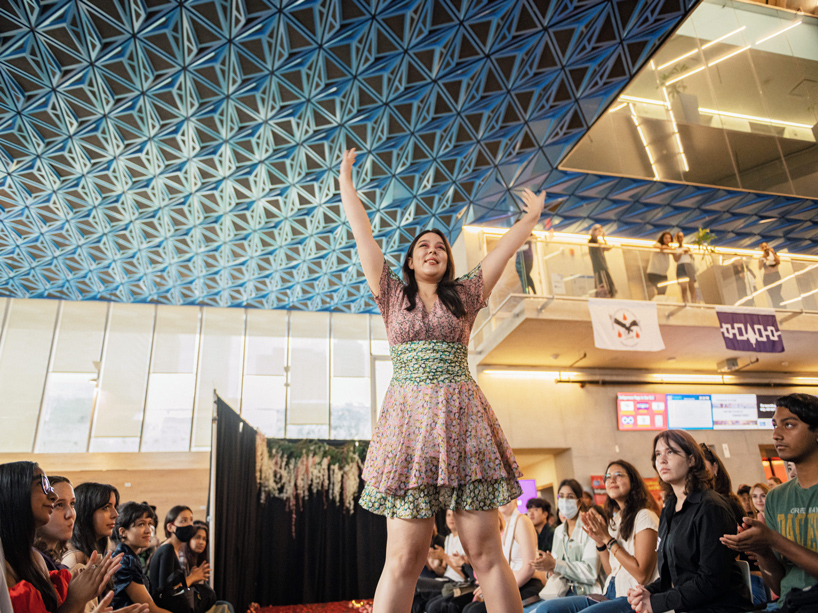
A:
{"points": [[52, 539], [25, 505], [626, 543]]}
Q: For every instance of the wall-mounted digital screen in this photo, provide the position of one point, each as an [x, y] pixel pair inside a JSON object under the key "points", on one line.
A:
{"points": [[636, 411], [641, 411]]}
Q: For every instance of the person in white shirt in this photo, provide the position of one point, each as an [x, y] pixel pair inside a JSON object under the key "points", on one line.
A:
{"points": [[574, 559], [685, 269], [626, 544]]}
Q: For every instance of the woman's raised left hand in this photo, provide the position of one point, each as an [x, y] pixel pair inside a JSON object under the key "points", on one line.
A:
{"points": [[533, 204]]}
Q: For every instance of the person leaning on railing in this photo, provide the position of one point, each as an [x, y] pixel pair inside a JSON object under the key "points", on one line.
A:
{"points": [[658, 264]]}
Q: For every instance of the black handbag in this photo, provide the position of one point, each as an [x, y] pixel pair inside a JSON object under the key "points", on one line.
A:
{"points": [[176, 597], [204, 597]]}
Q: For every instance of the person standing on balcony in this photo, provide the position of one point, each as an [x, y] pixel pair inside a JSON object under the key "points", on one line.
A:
{"points": [[658, 265], [603, 282], [437, 444], [769, 262], [685, 269]]}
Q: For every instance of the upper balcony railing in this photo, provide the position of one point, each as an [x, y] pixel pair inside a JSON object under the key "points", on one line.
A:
{"points": [[566, 266]]}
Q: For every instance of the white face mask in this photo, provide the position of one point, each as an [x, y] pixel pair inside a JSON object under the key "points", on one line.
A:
{"points": [[568, 508]]}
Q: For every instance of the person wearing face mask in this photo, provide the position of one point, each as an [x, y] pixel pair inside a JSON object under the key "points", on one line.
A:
{"points": [[52, 539], [164, 569], [574, 561]]}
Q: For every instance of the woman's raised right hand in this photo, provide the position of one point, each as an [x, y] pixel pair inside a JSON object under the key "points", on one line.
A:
{"points": [[347, 161]]}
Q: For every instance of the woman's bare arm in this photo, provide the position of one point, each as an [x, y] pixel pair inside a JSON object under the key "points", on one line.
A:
{"points": [[369, 251]]}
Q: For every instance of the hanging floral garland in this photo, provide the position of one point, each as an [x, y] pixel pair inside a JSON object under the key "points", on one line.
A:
{"points": [[293, 471]]}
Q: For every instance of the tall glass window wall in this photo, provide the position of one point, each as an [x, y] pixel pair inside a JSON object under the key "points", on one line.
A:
{"points": [[100, 377], [731, 100]]}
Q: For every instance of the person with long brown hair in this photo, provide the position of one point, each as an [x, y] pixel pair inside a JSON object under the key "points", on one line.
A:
{"points": [[696, 571], [626, 542], [437, 444]]}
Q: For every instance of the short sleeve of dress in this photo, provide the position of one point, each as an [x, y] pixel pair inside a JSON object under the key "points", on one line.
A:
{"points": [[389, 288], [470, 288]]}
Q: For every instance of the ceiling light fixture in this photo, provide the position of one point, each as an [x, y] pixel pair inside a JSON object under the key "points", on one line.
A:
{"points": [[644, 100], [710, 44], [773, 35], [675, 131], [729, 55], [644, 141], [766, 120], [617, 107], [673, 282]]}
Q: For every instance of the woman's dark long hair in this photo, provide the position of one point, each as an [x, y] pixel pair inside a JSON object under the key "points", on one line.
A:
{"points": [[171, 517], [637, 499], [193, 558], [662, 236], [55, 553], [90, 498], [17, 528], [698, 477], [446, 288]]}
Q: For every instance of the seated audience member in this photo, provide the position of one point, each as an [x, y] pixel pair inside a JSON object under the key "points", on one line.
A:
{"points": [[520, 549], [743, 493], [165, 570], [193, 555], [25, 505], [759, 497], [539, 512], [52, 539], [587, 498], [96, 515], [133, 533], [573, 559], [773, 482], [696, 571], [786, 543], [453, 558], [627, 543], [724, 487], [722, 483]]}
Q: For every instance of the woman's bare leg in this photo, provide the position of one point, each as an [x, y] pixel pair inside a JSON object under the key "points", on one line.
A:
{"points": [[407, 546], [691, 285], [480, 536]]}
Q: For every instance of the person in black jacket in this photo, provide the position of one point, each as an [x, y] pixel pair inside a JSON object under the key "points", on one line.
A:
{"points": [[697, 573], [165, 570]]}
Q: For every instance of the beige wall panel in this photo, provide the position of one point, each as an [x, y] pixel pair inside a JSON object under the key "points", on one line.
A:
{"points": [[220, 365], [79, 342], [23, 367], [124, 375], [538, 413]]}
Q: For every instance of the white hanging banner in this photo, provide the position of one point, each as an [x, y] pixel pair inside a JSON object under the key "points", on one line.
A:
{"points": [[625, 325]]}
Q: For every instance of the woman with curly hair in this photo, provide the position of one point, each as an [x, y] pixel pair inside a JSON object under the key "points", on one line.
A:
{"points": [[696, 571]]}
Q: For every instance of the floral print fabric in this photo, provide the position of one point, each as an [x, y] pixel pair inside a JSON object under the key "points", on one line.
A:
{"points": [[437, 443]]}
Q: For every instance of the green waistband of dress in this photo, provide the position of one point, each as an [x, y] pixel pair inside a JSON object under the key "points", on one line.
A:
{"points": [[429, 362]]}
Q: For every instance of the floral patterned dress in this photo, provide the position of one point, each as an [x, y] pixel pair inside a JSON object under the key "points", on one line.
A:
{"points": [[437, 444]]}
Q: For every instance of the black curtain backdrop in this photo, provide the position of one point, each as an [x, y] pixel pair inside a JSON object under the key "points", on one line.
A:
{"points": [[236, 508], [332, 555]]}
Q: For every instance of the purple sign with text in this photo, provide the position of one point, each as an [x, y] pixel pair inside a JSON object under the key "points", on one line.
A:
{"points": [[746, 331]]}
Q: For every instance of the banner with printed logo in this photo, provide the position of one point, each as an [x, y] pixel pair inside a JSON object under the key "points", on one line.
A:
{"points": [[625, 325], [750, 330]]}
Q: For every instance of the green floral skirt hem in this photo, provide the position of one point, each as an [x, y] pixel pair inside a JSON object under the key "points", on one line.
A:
{"points": [[427, 500]]}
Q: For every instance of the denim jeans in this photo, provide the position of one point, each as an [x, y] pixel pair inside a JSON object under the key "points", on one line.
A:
{"points": [[575, 604]]}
